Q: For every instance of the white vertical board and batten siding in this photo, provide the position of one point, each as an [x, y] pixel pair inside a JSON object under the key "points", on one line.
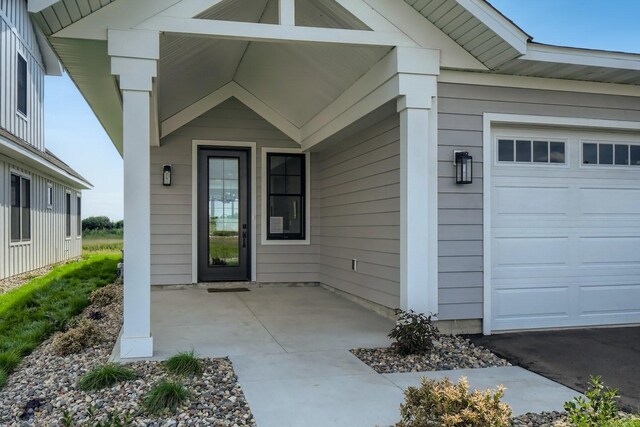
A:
{"points": [[358, 181], [48, 244], [461, 109], [17, 36], [171, 207]]}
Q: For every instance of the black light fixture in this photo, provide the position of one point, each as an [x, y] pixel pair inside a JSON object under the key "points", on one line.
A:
{"points": [[464, 167], [166, 175]]}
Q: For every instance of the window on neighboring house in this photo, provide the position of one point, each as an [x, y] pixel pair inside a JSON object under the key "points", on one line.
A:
{"points": [[20, 208], [22, 85], [78, 216], [67, 215], [49, 196], [286, 196]]}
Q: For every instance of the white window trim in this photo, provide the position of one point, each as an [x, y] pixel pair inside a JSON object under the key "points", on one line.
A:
{"points": [[49, 201], [598, 141], [495, 119], [265, 204], [21, 174], [528, 137], [194, 200], [70, 213], [23, 116], [78, 219]]}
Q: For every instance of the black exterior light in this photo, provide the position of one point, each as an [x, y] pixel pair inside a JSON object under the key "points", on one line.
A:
{"points": [[464, 167], [166, 175]]}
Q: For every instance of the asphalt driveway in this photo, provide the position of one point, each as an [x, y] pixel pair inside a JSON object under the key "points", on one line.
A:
{"points": [[570, 357]]}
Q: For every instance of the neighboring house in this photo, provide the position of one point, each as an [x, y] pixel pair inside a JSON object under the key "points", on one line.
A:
{"points": [[40, 195], [313, 142]]}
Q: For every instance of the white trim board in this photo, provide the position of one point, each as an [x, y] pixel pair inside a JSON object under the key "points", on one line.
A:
{"points": [[539, 83], [491, 119], [194, 200], [263, 235]]}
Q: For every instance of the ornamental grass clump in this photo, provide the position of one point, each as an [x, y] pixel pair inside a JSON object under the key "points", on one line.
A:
{"points": [[85, 333], [106, 295], [445, 404], [414, 333], [184, 364], [165, 397], [105, 376]]}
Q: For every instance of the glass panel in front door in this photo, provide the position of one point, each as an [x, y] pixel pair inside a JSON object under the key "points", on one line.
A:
{"points": [[224, 212]]}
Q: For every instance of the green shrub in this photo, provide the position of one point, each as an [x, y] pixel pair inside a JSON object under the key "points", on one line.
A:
{"points": [[165, 396], [3, 377], [445, 404], [184, 364], [413, 334], [597, 409], [84, 334], [105, 296], [105, 376], [9, 360]]}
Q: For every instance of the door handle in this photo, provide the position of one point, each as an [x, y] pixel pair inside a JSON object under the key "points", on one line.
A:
{"points": [[244, 239]]}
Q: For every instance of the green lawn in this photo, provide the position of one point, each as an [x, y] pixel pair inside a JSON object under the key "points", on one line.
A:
{"points": [[32, 312], [224, 248], [102, 241]]}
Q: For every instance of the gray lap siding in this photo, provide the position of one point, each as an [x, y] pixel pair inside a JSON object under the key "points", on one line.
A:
{"points": [[461, 108]]}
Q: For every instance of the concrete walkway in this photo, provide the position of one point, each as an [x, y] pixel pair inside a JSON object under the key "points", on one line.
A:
{"points": [[290, 349]]}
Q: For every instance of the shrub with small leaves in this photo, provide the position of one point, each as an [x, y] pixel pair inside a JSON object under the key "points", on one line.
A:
{"points": [[598, 407], [445, 404], [184, 364], [165, 397], [83, 334], [106, 295], [105, 376], [413, 334]]}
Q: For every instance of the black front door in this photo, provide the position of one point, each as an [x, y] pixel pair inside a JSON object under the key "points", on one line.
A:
{"points": [[223, 215]]}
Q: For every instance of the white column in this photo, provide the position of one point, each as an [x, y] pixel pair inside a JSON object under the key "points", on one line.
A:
{"points": [[136, 83], [418, 194], [287, 12]]}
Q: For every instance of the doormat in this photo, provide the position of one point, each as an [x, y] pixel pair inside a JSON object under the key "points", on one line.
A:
{"points": [[221, 290]]}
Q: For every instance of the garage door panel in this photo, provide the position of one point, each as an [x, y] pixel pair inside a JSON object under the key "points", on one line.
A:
{"points": [[522, 200], [610, 203], [610, 299], [610, 251], [517, 252], [532, 302]]}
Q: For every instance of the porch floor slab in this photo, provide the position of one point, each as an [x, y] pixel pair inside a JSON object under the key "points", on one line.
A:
{"points": [[290, 350]]}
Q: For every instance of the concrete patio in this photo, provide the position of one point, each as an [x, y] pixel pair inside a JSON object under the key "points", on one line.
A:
{"points": [[290, 349]]}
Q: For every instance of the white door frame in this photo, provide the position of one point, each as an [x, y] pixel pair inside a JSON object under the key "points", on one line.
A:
{"points": [[491, 119], [196, 143]]}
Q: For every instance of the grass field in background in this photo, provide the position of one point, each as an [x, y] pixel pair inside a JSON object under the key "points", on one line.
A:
{"points": [[102, 241]]}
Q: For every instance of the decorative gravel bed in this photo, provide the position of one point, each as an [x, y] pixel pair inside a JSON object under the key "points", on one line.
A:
{"points": [[16, 281], [544, 419], [43, 390], [449, 352]]}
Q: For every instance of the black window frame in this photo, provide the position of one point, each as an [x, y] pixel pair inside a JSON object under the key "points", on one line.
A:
{"points": [[67, 215], [20, 206], [302, 235], [78, 215], [22, 86]]}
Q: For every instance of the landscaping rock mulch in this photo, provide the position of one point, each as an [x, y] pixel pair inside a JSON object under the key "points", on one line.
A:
{"points": [[544, 419], [16, 281], [43, 390], [449, 352]]}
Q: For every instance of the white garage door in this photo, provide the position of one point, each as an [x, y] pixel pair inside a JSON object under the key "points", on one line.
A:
{"points": [[565, 245]]}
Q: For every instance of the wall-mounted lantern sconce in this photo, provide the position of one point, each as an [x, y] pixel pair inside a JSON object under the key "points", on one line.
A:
{"points": [[166, 175], [464, 167]]}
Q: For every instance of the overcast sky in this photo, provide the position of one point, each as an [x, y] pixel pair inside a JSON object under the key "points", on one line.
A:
{"points": [[74, 134]]}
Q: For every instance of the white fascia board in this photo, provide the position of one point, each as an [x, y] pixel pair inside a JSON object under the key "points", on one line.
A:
{"points": [[217, 97], [35, 6], [368, 15], [52, 65], [426, 34], [575, 56], [497, 23], [538, 83], [189, 8], [28, 158], [273, 33]]}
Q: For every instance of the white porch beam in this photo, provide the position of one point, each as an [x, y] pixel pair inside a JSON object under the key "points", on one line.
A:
{"points": [[273, 33], [287, 12], [419, 195], [136, 83]]}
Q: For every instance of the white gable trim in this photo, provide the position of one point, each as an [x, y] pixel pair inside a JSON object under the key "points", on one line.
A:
{"points": [[231, 89], [567, 55]]}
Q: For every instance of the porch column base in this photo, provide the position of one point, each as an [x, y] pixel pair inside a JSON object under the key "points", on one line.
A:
{"points": [[136, 347]]}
